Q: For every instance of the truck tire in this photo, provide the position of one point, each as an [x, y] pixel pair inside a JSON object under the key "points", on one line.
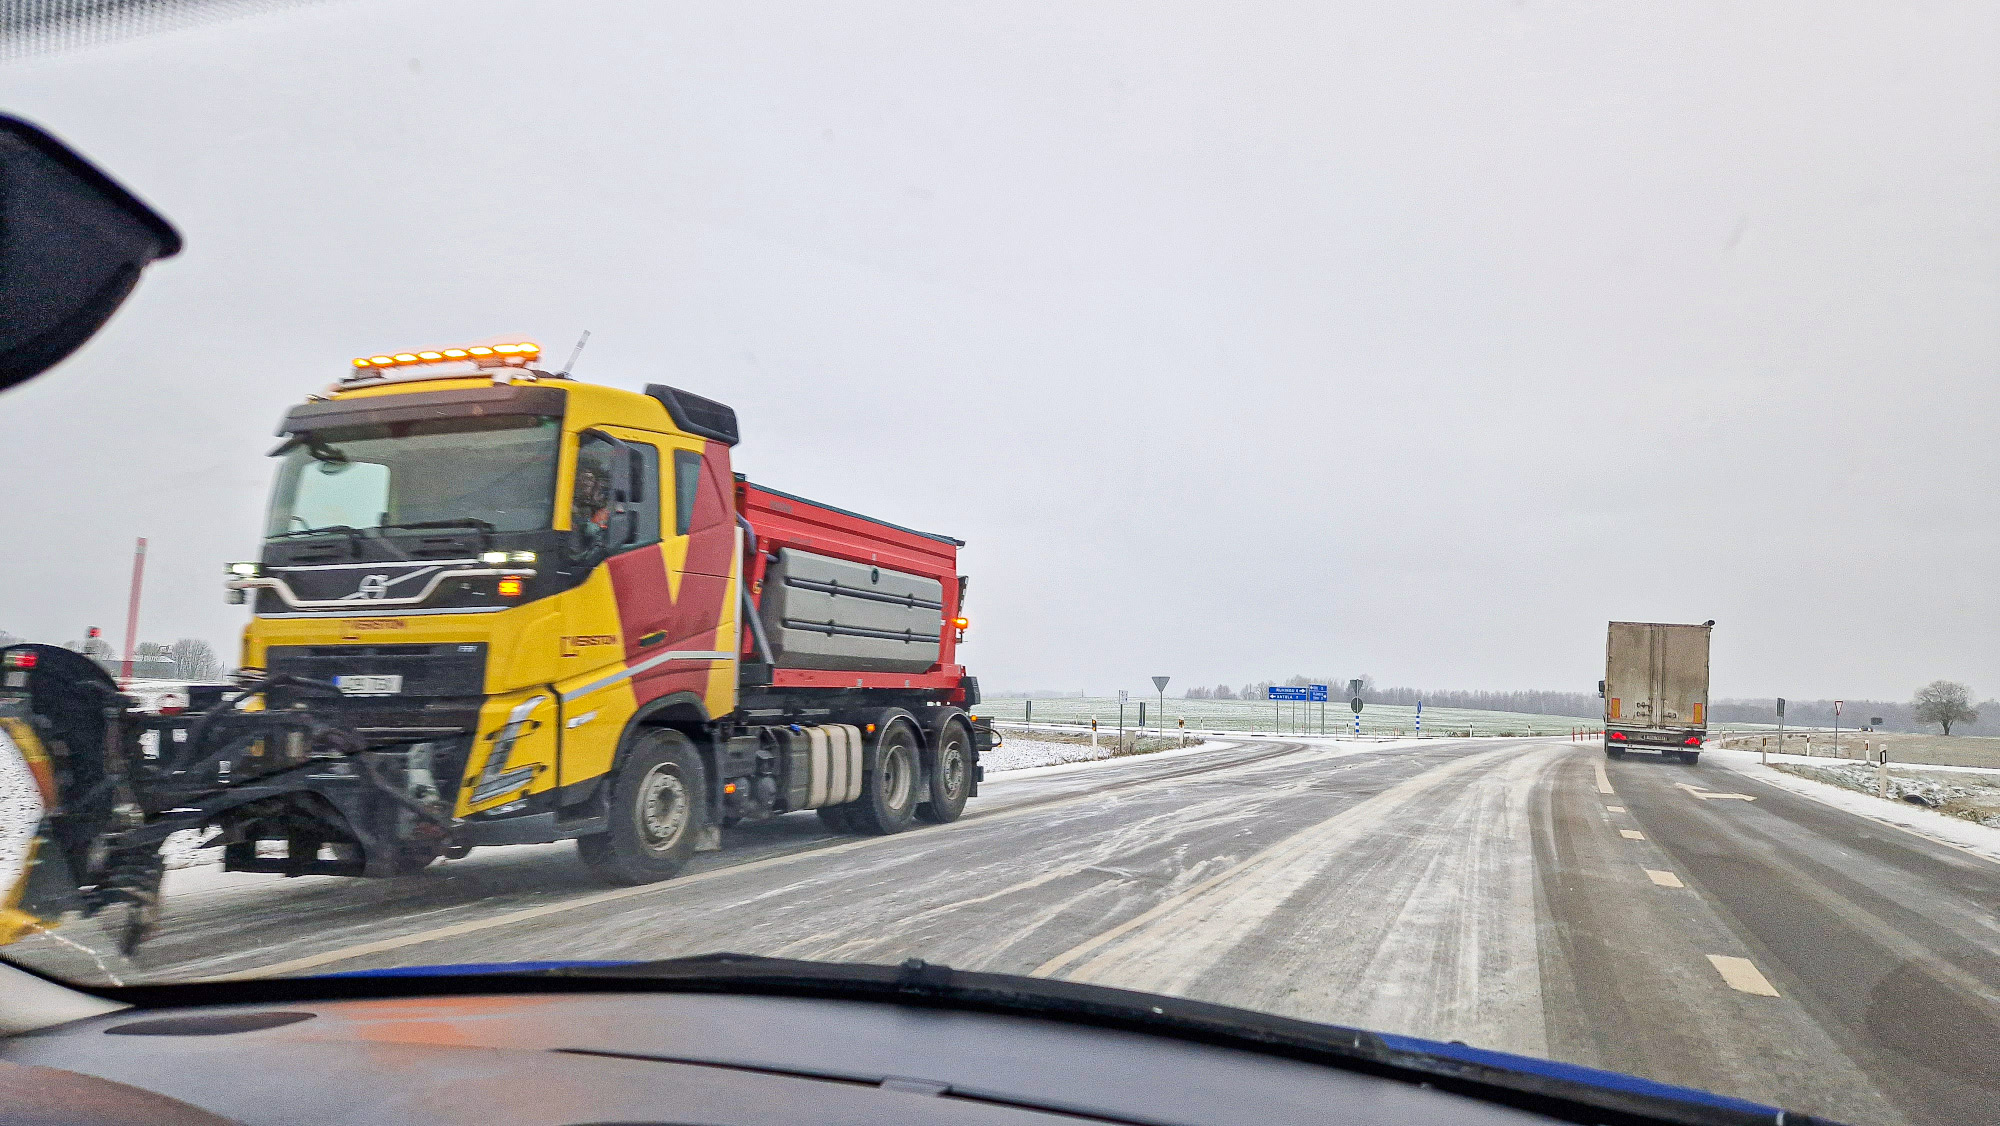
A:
{"points": [[658, 808], [889, 783], [950, 776]]}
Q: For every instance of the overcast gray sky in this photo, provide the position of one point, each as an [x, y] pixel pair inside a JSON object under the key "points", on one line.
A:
{"points": [[1238, 339]]}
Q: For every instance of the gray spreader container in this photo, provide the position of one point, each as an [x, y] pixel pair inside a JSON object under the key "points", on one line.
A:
{"points": [[826, 613]]}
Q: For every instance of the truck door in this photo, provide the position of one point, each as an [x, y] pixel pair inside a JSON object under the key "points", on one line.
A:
{"points": [[671, 571], [1683, 676]]}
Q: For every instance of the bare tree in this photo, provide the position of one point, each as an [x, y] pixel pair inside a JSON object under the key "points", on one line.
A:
{"points": [[1944, 702], [194, 659]]}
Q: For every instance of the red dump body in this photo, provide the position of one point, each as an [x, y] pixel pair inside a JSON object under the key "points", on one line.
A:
{"points": [[782, 520]]}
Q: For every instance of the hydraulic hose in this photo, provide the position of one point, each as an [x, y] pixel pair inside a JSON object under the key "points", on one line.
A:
{"points": [[749, 608]]}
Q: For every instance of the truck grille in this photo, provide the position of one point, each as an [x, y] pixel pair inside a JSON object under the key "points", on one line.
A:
{"points": [[428, 671]]}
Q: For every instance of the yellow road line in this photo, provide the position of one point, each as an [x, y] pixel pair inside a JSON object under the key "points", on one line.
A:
{"points": [[1665, 879], [1632, 834], [1741, 975]]}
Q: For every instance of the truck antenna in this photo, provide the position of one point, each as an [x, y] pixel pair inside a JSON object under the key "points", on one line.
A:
{"points": [[580, 342]]}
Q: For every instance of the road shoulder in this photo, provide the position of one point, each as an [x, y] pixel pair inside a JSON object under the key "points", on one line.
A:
{"points": [[1969, 837]]}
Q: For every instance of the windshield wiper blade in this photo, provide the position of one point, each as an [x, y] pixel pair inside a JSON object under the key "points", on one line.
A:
{"points": [[485, 528], [353, 535]]}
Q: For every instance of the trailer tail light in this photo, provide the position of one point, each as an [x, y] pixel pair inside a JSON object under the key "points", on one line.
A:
{"points": [[509, 587], [23, 660], [1692, 741], [1618, 736]]}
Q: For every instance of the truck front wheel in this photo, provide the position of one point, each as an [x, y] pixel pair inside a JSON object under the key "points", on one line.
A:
{"points": [[657, 813], [889, 783], [951, 776]]}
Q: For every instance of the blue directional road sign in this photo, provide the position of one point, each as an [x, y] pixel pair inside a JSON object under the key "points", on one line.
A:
{"points": [[1288, 692], [1316, 693]]}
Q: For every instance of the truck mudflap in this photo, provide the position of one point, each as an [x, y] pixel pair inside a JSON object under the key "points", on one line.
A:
{"points": [[984, 739]]}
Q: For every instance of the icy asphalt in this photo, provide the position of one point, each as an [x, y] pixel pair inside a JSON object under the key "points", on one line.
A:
{"points": [[1520, 894]]}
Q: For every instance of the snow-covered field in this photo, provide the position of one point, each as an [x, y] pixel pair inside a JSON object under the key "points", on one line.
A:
{"points": [[1232, 716], [1020, 752]]}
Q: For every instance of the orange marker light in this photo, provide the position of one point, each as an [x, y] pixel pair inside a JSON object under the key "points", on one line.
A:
{"points": [[509, 587], [516, 354], [960, 623]]}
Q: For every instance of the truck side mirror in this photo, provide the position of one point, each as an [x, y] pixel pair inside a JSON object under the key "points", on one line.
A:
{"points": [[1600, 690], [72, 246]]}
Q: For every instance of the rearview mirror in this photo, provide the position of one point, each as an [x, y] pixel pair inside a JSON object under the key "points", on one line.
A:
{"points": [[72, 245]]}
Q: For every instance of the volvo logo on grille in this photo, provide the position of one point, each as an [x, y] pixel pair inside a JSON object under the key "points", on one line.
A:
{"points": [[374, 586]]}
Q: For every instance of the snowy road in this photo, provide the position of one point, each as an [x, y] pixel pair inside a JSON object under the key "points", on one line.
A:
{"points": [[1514, 894]]}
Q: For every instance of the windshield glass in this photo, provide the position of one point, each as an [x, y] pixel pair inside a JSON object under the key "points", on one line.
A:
{"points": [[499, 471], [1473, 521]]}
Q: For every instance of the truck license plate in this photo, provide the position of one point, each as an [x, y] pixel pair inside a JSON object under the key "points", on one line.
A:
{"points": [[369, 685]]}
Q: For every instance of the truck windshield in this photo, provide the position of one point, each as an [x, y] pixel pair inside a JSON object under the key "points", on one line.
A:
{"points": [[482, 471]]}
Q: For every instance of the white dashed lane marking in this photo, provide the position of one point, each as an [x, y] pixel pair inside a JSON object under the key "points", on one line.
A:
{"points": [[1614, 809], [1632, 834], [1741, 975], [1603, 780], [1665, 879]]}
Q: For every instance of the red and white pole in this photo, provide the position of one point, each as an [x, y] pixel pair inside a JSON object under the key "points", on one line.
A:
{"points": [[132, 610]]}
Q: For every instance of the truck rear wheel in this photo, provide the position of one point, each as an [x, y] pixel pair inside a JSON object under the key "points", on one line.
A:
{"points": [[657, 812], [950, 777], [889, 783]]}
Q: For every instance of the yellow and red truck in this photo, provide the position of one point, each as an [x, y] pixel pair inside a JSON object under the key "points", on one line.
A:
{"points": [[496, 605]]}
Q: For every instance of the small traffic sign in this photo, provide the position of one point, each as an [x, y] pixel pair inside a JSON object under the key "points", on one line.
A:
{"points": [[1287, 692], [1355, 704], [1316, 693], [1160, 683]]}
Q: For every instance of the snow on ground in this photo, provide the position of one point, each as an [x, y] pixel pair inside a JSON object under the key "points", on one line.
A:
{"points": [[1021, 752], [1966, 836], [1048, 755]]}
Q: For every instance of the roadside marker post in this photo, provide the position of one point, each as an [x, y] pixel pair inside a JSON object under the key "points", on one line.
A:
{"points": [[1882, 772], [1121, 718], [1182, 724], [1093, 733], [1781, 732], [1420, 719], [1028, 718], [1836, 728]]}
